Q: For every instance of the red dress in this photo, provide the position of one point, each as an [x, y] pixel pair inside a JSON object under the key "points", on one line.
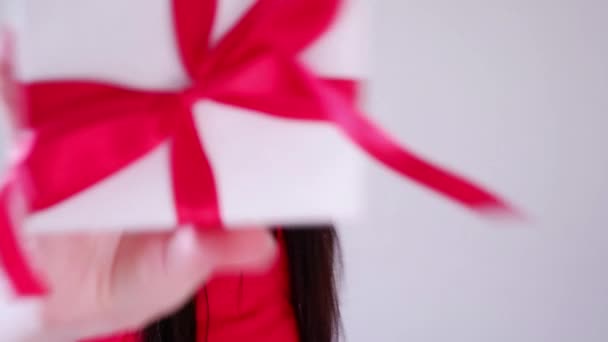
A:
{"points": [[248, 307]]}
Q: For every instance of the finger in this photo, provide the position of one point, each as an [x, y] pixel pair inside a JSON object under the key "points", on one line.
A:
{"points": [[250, 249]]}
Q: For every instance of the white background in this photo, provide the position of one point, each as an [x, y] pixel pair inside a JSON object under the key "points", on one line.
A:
{"points": [[513, 93]]}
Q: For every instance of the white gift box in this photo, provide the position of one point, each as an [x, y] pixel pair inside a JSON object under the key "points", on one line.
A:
{"points": [[267, 170]]}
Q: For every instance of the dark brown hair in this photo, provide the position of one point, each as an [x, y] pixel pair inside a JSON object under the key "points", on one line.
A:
{"points": [[313, 255]]}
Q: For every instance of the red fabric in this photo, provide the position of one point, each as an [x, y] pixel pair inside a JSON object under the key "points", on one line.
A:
{"points": [[251, 307], [11, 253], [255, 66]]}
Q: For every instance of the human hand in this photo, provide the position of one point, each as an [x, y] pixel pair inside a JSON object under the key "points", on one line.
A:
{"points": [[103, 283]]}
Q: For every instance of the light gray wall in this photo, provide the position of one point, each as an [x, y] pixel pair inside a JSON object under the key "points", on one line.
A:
{"points": [[514, 93]]}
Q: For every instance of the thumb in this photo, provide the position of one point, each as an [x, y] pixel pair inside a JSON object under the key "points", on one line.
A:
{"points": [[249, 249], [190, 252]]}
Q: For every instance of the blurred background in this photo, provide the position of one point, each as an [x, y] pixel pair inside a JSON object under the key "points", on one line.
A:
{"points": [[514, 94]]}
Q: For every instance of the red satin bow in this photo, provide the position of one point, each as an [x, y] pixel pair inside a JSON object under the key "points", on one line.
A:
{"points": [[86, 131]]}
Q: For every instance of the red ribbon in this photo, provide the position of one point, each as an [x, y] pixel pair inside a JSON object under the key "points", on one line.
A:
{"points": [[86, 131]]}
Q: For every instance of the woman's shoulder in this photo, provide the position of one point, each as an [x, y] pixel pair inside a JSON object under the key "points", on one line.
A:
{"points": [[253, 306]]}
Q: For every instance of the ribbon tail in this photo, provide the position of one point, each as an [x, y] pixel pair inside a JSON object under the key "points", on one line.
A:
{"points": [[378, 145], [281, 86], [195, 193], [12, 256]]}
